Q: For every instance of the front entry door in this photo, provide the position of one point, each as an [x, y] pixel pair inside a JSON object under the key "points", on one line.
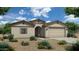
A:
{"points": [[38, 31]]}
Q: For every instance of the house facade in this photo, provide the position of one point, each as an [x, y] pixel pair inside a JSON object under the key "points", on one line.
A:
{"points": [[38, 28]]}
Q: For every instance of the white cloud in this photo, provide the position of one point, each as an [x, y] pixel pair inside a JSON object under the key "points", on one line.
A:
{"points": [[33, 18], [45, 11], [4, 22], [40, 11], [10, 18], [1, 17], [6, 18], [71, 18], [14, 21], [21, 18], [22, 12], [48, 21]]}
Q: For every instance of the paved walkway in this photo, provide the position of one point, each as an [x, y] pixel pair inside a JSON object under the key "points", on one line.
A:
{"points": [[69, 40]]}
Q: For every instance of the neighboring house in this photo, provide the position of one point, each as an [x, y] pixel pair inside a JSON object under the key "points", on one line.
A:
{"points": [[38, 28]]}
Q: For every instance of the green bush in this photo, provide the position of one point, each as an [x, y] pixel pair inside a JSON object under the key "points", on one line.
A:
{"points": [[62, 42], [49, 47], [5, 47], [41, 47], [73, 47], [10, 48], [44, 45], [5, 37], [32, 38], [70, 33], [10, 37], [24, 43]]}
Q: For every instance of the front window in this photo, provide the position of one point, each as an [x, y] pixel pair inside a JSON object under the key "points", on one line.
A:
{"points": [[23, 30]]}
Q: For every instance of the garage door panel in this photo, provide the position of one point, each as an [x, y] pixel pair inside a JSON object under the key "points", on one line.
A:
{"points": [[55, 33]]}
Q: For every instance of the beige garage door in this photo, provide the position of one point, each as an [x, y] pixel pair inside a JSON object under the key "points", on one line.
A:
{"points": [[55, 33]]}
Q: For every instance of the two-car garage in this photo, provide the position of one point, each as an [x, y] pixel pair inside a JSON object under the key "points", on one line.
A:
{"points": [[56, 30]]}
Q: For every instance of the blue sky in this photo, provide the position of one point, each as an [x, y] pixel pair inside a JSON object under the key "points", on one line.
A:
{"points": [[54, 14], [44, 13]]}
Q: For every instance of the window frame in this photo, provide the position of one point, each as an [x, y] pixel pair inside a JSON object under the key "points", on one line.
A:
{"points": [[23, 30]]}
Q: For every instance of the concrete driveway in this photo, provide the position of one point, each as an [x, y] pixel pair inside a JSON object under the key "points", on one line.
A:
{"points": [[69, 40]]}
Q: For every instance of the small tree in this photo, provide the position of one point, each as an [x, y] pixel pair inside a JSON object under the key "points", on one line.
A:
{"points": [[3, 10], [72, 28], [72, 10], [7, 29], [1, 30]]}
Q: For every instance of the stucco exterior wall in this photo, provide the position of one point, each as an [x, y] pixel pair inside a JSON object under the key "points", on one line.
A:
{"points": [[56, 25], [15, 30], [38, 25], [21, 24]]}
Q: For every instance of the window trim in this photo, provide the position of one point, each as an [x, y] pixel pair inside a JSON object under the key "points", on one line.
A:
{"points": [[23, 30]]}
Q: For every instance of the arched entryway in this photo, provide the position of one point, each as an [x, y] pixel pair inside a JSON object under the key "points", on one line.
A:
{"points": [[38, 30]]}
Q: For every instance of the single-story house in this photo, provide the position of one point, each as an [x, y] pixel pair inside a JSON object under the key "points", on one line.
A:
{"points": [[38, 28]]}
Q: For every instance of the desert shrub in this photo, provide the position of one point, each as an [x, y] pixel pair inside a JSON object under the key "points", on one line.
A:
{"points": [[41, 47], [62, 42], [5, 37], [73, 47], [10, 48], [5, 47], [24, 43], [49, 47], [10, 37], [44, 45], [32, 38]]}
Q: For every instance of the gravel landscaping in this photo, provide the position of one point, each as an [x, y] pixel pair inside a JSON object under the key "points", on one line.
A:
{"points": [[33, 45]]}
